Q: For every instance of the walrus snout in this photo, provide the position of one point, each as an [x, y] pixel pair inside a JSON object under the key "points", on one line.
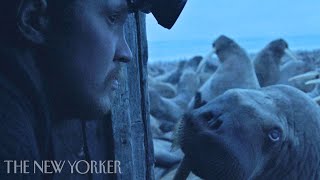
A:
{"points": [[215, 124], [205, 121], [218, 153], [210, 120]]}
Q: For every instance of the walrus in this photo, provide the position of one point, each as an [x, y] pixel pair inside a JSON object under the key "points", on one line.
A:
{"points": [[165, 110], [235, 70], [155, 70], [155, 127], [174, 75], [186, 88], [193, 63], [207, 67], [267, 62], [164, 89], [270, 133], [163, 156], [293, 68], [169, 110]]}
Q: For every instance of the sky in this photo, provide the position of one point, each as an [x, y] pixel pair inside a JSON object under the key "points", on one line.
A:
{"points": [[207, 19]]}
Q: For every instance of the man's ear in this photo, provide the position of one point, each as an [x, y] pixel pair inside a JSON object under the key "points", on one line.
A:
{"points": [[33, 20]]}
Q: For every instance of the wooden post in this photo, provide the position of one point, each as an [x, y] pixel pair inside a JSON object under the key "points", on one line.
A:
{"points": [[130, 118]]}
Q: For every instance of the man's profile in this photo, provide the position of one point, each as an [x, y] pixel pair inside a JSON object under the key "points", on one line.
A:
{"points": [[59, 60]]}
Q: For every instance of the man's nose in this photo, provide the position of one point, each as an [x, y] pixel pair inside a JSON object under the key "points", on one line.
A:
{"points": [[123, 52]]}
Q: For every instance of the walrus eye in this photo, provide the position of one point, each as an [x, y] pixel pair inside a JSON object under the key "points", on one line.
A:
{"points": [[274, 135]]}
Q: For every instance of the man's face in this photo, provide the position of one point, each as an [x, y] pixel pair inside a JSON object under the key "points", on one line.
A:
{"points": [[86, 44]]}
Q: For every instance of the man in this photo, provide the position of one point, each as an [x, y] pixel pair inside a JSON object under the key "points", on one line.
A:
{"points": [[59, 60]]}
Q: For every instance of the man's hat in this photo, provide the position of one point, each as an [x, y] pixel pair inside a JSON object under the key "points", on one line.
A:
{"points": [[166, 12]]}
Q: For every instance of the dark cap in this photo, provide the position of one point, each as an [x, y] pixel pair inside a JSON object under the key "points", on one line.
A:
{"points": [[166, 12]]}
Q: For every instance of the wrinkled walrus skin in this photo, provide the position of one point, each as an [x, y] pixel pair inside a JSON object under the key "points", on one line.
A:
{"points": [[267, 134]]}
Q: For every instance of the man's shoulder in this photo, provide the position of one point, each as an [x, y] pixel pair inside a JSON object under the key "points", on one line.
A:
{"points": [[17, 140]]}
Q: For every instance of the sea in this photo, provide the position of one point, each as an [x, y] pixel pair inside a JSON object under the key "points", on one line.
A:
{"points": [[175, 50]]}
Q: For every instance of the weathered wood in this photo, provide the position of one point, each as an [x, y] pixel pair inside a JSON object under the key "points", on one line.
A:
{"points": [[130, 117], [143, 56]]}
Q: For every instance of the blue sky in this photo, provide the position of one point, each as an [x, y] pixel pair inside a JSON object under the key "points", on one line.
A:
{"points": [[206, 19]]}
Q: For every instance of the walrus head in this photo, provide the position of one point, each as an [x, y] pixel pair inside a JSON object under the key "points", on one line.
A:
{"points": [[226, 48], [278, 47], [275, 50], [272, 133]]}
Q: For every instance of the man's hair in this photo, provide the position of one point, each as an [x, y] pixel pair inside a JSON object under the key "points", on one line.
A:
{"points": [[8, 19], [9, 32], [9, 9]]}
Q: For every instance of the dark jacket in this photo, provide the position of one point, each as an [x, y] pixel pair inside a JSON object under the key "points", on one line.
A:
{"points": [[24, 116], [28, 131]]}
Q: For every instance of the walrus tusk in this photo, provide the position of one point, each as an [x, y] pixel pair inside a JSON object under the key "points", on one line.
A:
{"points": [[204, 61], [211, 53], [291, 54], [308, 75], [314, 81], [183, 170], [316, 99], [214, 50]]}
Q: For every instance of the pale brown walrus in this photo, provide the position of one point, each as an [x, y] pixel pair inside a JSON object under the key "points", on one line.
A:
{"points": [[271, 133], [235, 70]]}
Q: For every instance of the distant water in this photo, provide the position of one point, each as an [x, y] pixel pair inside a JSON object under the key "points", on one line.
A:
{"points": [[185, 49]]}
